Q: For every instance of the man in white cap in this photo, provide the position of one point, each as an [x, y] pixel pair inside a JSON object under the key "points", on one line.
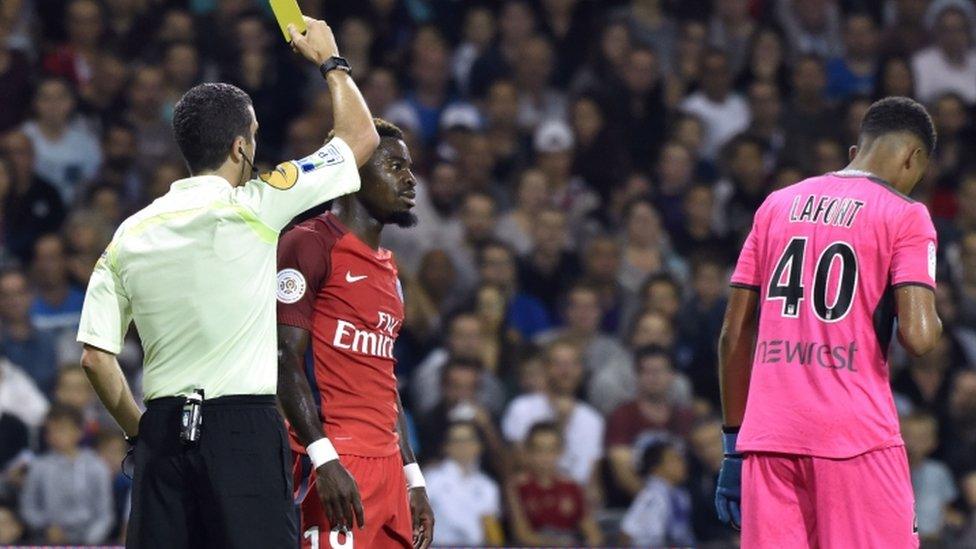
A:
{"points": [[553, 143]]}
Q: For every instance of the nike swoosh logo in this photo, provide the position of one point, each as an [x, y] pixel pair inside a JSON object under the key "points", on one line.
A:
{"points": [[351, 279]]}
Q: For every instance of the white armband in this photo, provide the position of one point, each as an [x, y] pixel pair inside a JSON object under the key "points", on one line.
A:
{"points": [[321, 451], [415, 479]]}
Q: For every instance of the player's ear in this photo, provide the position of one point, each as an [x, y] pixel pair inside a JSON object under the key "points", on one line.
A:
{"points": [[852, 152]]}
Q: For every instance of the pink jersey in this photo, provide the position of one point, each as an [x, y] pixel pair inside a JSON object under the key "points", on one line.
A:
{"points": [[825, 255]]}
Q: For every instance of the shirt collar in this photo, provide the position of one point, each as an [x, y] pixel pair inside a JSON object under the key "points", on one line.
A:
{"points": [[207, 181]]}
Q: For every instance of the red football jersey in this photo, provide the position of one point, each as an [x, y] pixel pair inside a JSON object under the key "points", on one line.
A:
{"points": [[348, 296]]}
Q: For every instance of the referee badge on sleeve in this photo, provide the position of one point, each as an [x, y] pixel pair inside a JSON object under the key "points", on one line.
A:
{"points": [[283, 177], [291, 286]]}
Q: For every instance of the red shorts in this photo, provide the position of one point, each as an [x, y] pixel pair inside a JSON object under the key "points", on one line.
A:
{"points": [[803, 501], [383, 489]]}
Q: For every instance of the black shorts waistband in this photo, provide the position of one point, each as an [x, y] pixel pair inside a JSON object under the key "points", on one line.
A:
{"points": [[231, 401]]}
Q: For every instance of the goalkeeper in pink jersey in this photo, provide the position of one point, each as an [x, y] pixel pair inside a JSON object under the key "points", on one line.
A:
{"points": [[814, 457]]}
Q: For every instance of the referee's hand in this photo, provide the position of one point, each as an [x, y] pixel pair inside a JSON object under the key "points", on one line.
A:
{"points": [[318, 43], [340, 496]]}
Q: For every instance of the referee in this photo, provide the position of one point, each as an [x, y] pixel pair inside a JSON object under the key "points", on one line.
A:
{"points": [[195, 270]]}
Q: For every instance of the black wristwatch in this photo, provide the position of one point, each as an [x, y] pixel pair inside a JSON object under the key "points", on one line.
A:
{"points": [[335, 63]]}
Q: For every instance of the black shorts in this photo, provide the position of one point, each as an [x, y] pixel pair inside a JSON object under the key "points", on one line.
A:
{"points": [[231, 489]]}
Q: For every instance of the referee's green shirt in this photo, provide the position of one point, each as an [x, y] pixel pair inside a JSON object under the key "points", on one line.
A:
{"points": [[195, 270]]}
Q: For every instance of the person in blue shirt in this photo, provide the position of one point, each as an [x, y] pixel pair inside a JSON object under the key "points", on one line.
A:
{"points": [[57, 305], [32, 349], [526, 314], [856, 71]]}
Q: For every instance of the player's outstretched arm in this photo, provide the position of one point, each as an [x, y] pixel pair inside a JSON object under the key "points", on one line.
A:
{"points": [[919, 326], [735, 368], [353, 121], [420, 510], [334, 485]]}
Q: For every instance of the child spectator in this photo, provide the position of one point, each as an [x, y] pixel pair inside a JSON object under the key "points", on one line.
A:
{"points": [[465, 500], [545, 507], [931, 479], [661, 513], [67, 496], [112, 447]]}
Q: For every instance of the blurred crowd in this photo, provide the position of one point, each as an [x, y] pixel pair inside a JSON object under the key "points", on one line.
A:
{"points": [[587, 169]]}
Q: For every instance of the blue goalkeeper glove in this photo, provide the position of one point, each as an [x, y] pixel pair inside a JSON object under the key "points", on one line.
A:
{"points": [[728, 493]]}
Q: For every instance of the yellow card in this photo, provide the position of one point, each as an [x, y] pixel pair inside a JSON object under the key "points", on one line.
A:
{"points": [[287, 13]]}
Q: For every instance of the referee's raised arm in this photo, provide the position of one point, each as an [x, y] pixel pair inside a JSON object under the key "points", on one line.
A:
{"points": [[332, 170], [195, 271]]}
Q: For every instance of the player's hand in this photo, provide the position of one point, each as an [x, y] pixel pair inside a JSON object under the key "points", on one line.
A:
{"points": [[423, 518], [728, 493], [340, 496], [317, 44]]}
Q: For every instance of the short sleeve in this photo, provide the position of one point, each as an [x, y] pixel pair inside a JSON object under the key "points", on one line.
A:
{"points": [[913, 257], [276, 197], [106, 314], [747, 272], [303, 265]]}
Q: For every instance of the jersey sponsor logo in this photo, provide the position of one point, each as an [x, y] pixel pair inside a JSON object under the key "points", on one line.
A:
{"points": [[291, 286], [932, 261], [377, 342], [283, 177], [807, 353], [350, 278]]}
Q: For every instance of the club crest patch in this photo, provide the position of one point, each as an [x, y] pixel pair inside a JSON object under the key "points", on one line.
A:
{"points": [[283, 177], [291, 286]]}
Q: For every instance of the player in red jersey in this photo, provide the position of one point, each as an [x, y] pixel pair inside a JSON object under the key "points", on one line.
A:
{"points": [[338, 288]]}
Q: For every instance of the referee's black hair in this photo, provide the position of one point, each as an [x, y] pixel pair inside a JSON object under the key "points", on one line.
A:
{"points": [[899, 114], [206, 120]]}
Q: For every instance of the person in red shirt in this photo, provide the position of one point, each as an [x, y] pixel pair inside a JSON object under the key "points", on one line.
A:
{"points": [[547, 508], [338, 289]]}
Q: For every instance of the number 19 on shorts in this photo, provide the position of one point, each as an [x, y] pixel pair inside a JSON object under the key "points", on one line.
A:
{"points": [[312, 535], [786, 283]]}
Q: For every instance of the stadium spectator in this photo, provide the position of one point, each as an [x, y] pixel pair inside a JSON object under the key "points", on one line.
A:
{"points": [[118, 169], [501, 127], [466, 502], [661, 512], [724, 112], [809, 115], [57, 304], [895, 78], [15, 72], [966, 535], [960, 454], [601, 257], [154, 136], [112, 447], [550, 267], [464, 341], [767, 61], [478, 217], [517, 227], [645, 249], [553, 142], [33, 350], [545, 507], [19, 395], [705, 443], [931, 479], [73, 60], [675, 175], [766, 108], [697, 235], [700, 322], [66, 152], [502, 342], [950, 63], [636, 99], [67, 496], [522, 312], [730, 29], [478, 34], [582, 315], [855, 71], [635, 425], [581, 425], [12, 529], [812, 27]]}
